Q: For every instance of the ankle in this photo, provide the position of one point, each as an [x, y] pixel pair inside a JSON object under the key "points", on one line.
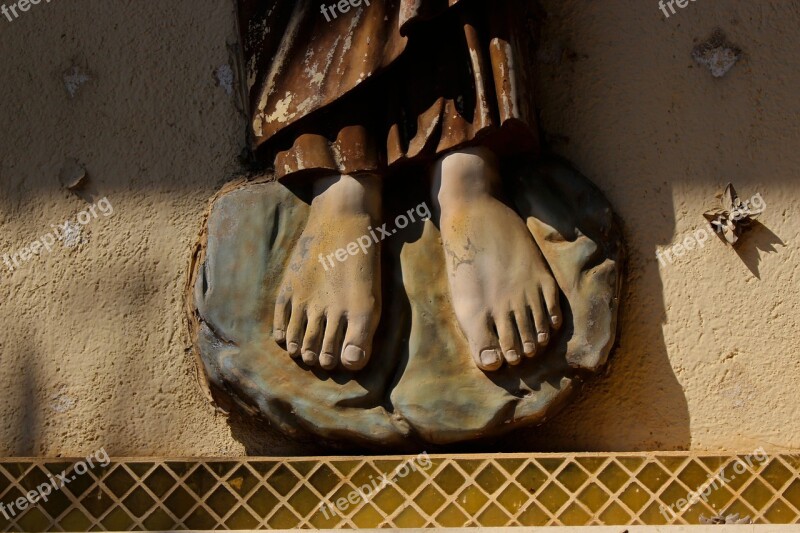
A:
{"points": [[465, 176], [350, 195]]}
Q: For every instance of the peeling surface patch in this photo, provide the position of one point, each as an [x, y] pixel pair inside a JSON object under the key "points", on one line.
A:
{"points": [[61, 402], [224, 76], [73, 235], [73, 79], [716, 54]]}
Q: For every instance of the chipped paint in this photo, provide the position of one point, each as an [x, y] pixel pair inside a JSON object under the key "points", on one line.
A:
{"points": [[73, 79], [282, 113], [224, 76]]}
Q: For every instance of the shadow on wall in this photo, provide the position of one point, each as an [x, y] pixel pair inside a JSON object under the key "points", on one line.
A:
{"points": [[25, 418], [759, 240], [145, 111], [638, 404], [171, 125]]}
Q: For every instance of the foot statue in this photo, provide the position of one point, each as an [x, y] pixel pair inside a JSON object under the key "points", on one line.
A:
{"points": [[484, 318]]}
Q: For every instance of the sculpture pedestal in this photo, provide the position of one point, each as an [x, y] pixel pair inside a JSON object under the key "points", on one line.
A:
{"points": [[421, 387]]}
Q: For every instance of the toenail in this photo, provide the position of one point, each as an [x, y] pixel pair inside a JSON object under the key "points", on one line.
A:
{"points": [[512, 356], [293, 348], [530, 348], [309, 357], [280, 335], [489, 357], [327, 360], [543, 338], [353, 355], [556, 320]]}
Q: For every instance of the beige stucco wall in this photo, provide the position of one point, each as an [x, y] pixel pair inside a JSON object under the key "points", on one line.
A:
{"points": [[92, 349]]}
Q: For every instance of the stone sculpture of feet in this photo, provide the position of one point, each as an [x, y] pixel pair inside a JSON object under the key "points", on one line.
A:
{"points": [[504, 296], [327, 313]]}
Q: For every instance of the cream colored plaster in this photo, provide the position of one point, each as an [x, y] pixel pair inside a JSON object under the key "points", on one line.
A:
{"points": [[92, 348]]}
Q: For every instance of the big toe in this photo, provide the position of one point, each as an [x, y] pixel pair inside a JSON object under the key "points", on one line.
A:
{"points": [[489, 359], [354, 357], [484, 345], [357, 343]]}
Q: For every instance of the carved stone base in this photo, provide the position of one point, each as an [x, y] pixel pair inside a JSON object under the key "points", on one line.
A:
{"points": [[421, 385]]}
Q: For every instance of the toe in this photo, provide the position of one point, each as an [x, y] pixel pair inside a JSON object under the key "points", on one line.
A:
{"points": [[489, 359], [354, 357], [310, 358], [283, 307], [550, 294], [483, 343], [527, 332], [508, 338], [512, 357], [294, 333], [357, 342], [331, 342], [313, 339], [540, 319]]}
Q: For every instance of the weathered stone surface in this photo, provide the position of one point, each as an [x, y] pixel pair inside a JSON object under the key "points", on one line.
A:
{"points": [[421, 384]]}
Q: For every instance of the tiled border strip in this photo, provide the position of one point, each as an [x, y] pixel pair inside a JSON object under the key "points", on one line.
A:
{"points": [[453, 491]]}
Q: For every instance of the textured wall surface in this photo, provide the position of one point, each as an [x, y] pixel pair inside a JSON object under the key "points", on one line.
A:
{"points": [[92, 345]]}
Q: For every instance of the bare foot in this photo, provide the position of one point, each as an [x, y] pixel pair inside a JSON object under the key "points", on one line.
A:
{"points": [[329, 305], [504, 295]]}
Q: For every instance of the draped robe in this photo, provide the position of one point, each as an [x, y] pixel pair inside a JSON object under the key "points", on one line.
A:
{"points": [[386, 85]]}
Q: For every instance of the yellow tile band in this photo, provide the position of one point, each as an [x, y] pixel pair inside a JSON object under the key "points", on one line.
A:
{"points": [[401, 492]]}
